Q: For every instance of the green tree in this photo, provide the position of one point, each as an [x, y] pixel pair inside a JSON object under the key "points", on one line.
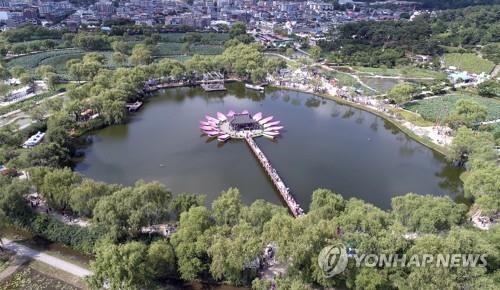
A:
{"points": [[26, 79], [112, 111], [226, 208], [467, 113], [120, 46], [43, 70], [326, 205], [51, 80], [315, 53], [463, 241], [4, 73], [190, 243], [161, 259], [232, 253], [427, 214], [85, 196], [482, 183], [141, 55], [17, 71], [402, 93], [261, 284], [184, 201], [127, 210], [91, 41], [186, 48], [57, 185], [489, 89], [3, 225], [121, 267], [238, 28], [119, 58], [468, 143]]}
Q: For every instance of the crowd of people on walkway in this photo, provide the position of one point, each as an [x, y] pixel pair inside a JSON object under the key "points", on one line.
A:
{"points": [[285, 191], [39, 205]]}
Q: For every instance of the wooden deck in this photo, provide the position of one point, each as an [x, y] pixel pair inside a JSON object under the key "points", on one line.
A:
{"points": [[293, 206]]}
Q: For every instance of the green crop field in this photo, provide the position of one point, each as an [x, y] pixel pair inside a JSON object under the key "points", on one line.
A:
{"points": [[33, 60], [208, 38], [212, 38], [468, 62], [59, 61], [406, 71], [440, 107], [175, 48]]}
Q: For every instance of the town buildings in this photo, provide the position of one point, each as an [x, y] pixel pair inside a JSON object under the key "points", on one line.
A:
{"points": [[303, 18]]}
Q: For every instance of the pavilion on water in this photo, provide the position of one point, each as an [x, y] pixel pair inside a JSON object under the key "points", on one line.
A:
{"points": [[240, 122]]}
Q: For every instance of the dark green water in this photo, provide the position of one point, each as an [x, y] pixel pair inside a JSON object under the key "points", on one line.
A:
{"points": [[324, 145]]}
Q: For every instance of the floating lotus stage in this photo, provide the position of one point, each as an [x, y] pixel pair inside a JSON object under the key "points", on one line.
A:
{"points": [[240, 125]]}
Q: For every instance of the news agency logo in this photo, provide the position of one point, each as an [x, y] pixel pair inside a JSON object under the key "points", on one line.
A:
{"points": [[333, 260]]}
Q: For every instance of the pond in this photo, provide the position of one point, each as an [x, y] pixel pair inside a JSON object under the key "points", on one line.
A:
{"points": [[324, 145]]}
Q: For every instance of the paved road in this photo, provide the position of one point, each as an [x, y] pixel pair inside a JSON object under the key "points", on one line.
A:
{"points": [[45, 258], [327, 68], [495, 71], [21, 118]]}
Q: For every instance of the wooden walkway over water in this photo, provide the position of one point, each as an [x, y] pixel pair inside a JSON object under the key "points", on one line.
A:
{"points": [[293, 206]]}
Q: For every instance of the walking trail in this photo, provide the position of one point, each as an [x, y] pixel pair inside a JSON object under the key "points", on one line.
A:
{"points": [[45, 258]]}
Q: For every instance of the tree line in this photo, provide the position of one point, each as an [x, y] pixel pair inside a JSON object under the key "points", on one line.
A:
{"points": [[377, 43], [220, 243]]}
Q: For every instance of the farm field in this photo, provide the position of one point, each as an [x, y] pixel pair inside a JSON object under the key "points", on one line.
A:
{"points": [[33, 60], [346, 80], [59, 61], [207, 38], [381, 85], [33, 277], [439, 108], [468, 62], [406, 71], [175, 48]]}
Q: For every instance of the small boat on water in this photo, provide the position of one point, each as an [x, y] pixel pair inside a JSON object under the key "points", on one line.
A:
{"points": [[245, 112], [254, 87], [277, 128], [207, 128], [257, 116], [231, 113], [212, 119], [272, 133], [212, 133], [270, 124], [205, 123], [221, 116], [268, 136], [265, 120], [223, 137]]}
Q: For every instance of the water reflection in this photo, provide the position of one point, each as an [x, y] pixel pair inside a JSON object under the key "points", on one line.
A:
{"points": [[352, 155]]}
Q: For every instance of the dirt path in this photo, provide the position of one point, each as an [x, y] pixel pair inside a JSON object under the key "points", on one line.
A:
{"points": [[495, 71], [327, 68], [45, 258], [14, 264]]}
